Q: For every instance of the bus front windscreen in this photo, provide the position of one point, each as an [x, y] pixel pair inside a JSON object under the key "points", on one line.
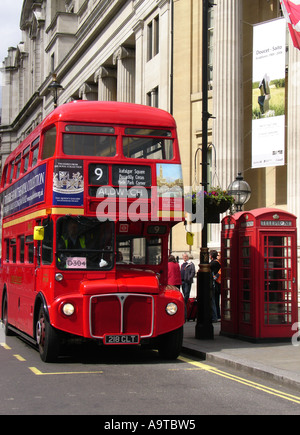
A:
{"points": [[84, 243]]}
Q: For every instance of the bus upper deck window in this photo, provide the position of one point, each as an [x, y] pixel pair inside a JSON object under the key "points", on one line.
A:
{"points": [[26, 159], [148, 144], [35, 151], [17, 166], [11, 172], [49, 143], [89, 140], [4, 176]]}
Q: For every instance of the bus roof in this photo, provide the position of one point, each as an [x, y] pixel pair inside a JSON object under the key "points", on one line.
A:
{"points": [[108, 112]]}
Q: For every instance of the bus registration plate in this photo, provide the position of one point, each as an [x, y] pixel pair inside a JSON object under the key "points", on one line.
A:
{"points": [[122, 339]]}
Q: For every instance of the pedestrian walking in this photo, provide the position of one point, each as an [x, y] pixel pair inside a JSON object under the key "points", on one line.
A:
{"points": [[187, 276], [174, 275], [215, 268]]}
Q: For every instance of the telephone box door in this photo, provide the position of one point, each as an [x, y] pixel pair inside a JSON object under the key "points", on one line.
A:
{"points": [[279, 293], [229, 279]]}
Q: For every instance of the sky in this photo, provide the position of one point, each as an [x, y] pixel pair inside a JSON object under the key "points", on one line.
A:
{"points": [[10, 33]]}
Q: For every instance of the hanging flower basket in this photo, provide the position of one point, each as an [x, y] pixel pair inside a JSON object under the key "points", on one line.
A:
{"points": [[216, 202], [212, 211]]}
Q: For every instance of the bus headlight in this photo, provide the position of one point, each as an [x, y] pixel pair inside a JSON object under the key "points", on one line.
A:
{"points": [[68, 309], [59, 277], [171, 308]]}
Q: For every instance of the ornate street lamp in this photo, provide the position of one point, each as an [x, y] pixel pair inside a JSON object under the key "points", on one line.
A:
{"points": [[55, 87], [240, 190]]}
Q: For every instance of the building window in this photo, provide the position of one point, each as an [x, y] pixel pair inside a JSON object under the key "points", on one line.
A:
{"points": [[152, 97], [52, 63], [153, 38]]}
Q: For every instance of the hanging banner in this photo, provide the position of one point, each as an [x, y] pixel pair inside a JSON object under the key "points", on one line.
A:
{"points": [[268, 94], [291, 12]]}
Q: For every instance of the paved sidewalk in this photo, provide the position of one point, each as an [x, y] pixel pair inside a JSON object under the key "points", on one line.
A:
{"points": [[279, 362]]}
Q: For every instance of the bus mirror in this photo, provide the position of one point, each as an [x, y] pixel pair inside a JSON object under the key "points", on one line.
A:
{"points": [[38, 233], [190, 239]]}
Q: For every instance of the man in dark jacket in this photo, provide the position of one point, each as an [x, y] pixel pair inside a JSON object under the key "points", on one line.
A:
{"points": [[215, 268], [187, 276]]}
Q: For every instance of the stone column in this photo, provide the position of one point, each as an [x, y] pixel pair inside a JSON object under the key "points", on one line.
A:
{"points": [[124, 58], [140, 62], [88, 92], [228, 90], [107, 83], [227, 95]]}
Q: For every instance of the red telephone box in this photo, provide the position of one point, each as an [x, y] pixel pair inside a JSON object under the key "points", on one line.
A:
{"points": [[265, 265], [229, 278]]}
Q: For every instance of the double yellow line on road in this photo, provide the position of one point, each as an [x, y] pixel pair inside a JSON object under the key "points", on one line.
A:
{"points": [[264, 388]]}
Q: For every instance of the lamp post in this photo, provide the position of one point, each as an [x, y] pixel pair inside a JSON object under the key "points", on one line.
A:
{"points": [[204, 328], [240, 190], [55, 87]]}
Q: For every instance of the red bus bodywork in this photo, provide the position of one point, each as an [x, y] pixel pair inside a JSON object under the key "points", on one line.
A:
{"points": [[47, 291]]}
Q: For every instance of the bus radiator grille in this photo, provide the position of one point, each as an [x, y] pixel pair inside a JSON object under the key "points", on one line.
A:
{"points": [[121, 314]]}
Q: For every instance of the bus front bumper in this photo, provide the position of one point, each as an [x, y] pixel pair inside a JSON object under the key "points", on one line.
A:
{"points": [[119, 318]]}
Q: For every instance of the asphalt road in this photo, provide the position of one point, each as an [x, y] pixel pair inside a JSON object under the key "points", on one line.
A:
{"points": [[119, 382]]}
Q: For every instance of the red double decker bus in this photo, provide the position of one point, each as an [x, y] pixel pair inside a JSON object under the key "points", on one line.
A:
{"points": [[88, 200]]}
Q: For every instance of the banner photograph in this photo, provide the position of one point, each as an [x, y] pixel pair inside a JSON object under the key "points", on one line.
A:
{"points": [[268, 94]]}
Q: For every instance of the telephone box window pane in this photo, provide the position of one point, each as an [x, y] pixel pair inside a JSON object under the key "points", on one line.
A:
{"points": [[246, 318], [246, 252], [245, 241], [227, 273], [246, 285], [227, 315], [246, 296], [227, 305], [246, 262], [246, 306], [246, 273], [227, 294]]}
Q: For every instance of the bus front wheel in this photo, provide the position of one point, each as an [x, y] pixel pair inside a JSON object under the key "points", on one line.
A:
{"points": [[47, 338], [170, 344]]}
